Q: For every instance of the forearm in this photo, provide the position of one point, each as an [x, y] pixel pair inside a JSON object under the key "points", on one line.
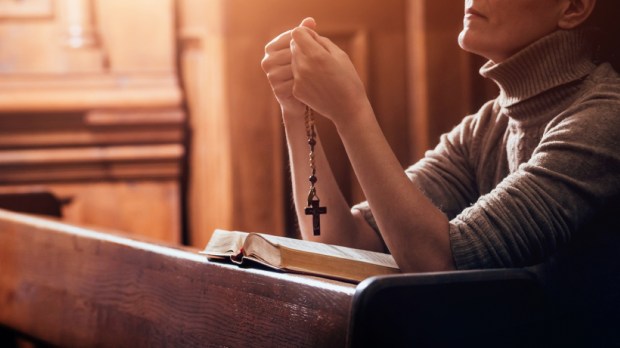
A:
{"points": [[413, 228], [338, 226]]}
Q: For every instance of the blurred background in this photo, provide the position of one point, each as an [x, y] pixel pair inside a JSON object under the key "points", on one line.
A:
{"points": [[154, 118]]}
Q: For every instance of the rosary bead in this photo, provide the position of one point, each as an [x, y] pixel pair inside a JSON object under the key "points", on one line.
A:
{"points": [[313, 179], [311, 142]]}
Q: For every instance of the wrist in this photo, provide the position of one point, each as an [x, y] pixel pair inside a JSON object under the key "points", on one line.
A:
{"points": [[294, 109], [356, 114], [291, 117]]}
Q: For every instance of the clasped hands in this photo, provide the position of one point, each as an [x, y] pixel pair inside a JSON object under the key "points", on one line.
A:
{"points": [[306, 68]]}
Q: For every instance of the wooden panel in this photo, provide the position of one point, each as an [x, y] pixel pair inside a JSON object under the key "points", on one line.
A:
{"points": [[98, 127], [91, 154], [91, 172], [211, 176], [87, 159], [90, 163], [79, 37], [83, 92], [137, 117], [67, 41], [147, 208], [83, 137], [443, 79], [138, 35], [12, 9], [71, 286], [36, 40]]}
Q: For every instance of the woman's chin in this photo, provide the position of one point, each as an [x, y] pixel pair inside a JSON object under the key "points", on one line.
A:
{"points": [[468, 42]]}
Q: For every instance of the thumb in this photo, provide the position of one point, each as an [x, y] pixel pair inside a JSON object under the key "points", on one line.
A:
{"points": [[308, 22]]}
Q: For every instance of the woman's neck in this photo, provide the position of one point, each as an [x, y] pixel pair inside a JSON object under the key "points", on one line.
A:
{"points": [[555, 60]]}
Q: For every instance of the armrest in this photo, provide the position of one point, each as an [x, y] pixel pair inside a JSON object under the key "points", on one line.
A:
{"points": [[502, 307]]}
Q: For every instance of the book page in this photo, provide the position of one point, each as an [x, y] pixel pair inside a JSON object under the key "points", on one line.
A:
{"points": [[224, 243], [333, 250]]}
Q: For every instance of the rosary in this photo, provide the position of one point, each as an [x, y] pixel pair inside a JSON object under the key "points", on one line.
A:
{"points": [[313, 207]]}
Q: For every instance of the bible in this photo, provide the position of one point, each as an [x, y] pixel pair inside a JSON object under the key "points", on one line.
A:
{"points": [[298, 256]]}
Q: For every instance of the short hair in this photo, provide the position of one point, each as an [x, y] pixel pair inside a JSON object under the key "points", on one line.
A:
{"points": [[604, 28]]}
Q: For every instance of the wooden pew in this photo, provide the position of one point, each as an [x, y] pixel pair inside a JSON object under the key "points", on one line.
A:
{"points": [[71, 286]]}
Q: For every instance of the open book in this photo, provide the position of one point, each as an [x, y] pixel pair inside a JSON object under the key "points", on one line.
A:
{"points": [[298, 256]]}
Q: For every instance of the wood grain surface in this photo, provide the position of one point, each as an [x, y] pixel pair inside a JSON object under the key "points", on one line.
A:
{"points": [[71, 286]]}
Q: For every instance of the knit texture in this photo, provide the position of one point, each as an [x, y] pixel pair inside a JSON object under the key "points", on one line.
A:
{"points": [[534, 167]]}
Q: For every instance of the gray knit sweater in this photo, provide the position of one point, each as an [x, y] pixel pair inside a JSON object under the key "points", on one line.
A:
{"points": [[533, 168]]}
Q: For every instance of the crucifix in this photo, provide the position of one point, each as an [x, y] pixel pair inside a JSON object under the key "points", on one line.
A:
{"points": [[314, 208]]}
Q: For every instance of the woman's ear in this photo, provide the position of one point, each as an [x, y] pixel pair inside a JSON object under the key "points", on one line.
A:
{"points": [[575, 13]]}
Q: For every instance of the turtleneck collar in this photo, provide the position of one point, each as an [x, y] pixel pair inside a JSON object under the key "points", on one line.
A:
{"points": [[557, 59]]}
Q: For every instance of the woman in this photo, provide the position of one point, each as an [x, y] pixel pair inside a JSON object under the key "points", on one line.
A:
{"points": [[509, 186]]}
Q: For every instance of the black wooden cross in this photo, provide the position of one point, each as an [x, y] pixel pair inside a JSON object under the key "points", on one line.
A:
{"points": [[315, 210]]}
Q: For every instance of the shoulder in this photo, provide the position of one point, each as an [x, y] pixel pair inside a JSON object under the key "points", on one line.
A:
{"points": [[597, 111], [603, 86], [483, 131], [476, 135], [601, 90], [584, 141], [481, 123]]}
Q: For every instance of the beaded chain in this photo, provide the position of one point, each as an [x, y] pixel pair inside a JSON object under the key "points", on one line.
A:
{"points": [[313, 207]]}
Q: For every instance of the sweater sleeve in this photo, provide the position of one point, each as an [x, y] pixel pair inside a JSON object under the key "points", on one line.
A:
{"points": [[445, 175], [573, 172]]}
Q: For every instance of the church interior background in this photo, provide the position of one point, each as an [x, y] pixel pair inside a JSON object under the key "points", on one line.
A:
{"points": [[153, 117]]}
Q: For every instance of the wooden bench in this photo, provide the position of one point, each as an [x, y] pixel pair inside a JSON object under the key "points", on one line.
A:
{"points": [[70, 286]]}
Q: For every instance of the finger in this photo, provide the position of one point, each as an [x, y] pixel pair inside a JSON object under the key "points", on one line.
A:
{"points": [[280, 74], [306, 40], [323, 41], [271, 60], [280, 42], [308, 22], [284, 89]]}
